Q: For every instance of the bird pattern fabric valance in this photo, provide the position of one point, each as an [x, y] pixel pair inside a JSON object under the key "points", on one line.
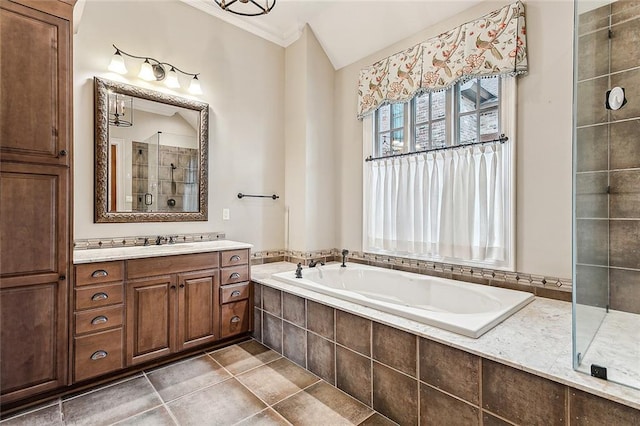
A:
{"points": [[494, 44]]}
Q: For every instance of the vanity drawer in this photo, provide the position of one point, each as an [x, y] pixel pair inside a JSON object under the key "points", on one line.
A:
{"points": [[99, 295], [103, 272], [99, 319], [165, 265], [234, 318], [234, 292], [234, 275], [98, 354], [234, 257]]}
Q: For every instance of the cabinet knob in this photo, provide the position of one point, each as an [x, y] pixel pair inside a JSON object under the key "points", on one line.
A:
{"points": [[234, 276], [99, 355], [62, 277], [99, 273], [234, 258], [181, 285], [235, 319], [63, 152], [173, 287], [99, 320], [235, 293], [99, 296]]}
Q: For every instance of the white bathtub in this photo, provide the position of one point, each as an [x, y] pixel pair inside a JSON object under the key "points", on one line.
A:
{"points": [[460, 307]]}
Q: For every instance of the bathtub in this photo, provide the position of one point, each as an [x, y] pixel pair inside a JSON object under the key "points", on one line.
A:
{"points": [[459, 307]]}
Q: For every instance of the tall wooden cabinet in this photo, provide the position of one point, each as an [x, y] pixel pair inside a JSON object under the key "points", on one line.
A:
{"points": [[35, 195]]}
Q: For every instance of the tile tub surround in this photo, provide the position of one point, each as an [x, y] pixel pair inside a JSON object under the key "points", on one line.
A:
{"points": [[531, 351], [243, 384]]}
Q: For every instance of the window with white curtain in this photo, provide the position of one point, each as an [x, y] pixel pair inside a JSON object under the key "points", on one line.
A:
{"points": [[453, 202]]}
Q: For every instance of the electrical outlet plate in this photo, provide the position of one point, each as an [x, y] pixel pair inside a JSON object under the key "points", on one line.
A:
{"points": [[225, 214]]}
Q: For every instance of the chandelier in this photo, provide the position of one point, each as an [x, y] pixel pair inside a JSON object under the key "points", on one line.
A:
{"points": [[247, 7]]}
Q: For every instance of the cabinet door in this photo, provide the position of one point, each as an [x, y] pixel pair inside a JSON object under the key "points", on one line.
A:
{"points": [[150, 318], [197, 308], [35, 67], [34, 255]]}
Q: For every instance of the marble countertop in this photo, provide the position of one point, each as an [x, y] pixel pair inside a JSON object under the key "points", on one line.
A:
{"points": [[123, 253], [536, 339]]}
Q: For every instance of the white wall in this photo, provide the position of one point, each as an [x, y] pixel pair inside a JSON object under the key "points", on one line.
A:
{"points": [[242, 80], [543, 138]]}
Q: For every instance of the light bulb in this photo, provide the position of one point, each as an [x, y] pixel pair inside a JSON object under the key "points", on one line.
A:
{"points": [[172, 79], [146, 71], [194, 87], [117, 63]]}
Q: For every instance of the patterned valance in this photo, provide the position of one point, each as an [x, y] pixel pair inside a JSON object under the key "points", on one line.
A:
{"points": [[494, 44]]}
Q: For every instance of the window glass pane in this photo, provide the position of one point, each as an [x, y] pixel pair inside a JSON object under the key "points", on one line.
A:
{"points": [[422, 108], [438, 104], [489, 91], [422, 137], [384, 118], [384, 145], [489, 125], [468, 129], [397, 141], [467, 96], [397, 116], [438, 134]]}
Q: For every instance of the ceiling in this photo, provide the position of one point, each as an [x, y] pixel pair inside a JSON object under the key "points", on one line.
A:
{"points": [[348, 30]]}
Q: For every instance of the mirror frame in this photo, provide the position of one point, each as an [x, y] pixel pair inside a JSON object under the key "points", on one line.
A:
{"points": [[102, 88]]}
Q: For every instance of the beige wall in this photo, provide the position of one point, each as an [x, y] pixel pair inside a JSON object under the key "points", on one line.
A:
{"points": [[242, 80], [543, 138]]}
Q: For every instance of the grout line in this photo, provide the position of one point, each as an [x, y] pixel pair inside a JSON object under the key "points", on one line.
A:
{"points": [[106, 386], [32, 410], [163, 403]]}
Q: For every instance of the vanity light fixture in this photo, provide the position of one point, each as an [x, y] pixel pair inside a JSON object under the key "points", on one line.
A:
{"points": [[247, 7], [152, 69]]}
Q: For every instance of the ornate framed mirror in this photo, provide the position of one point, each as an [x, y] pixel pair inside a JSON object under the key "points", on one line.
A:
{"points": [[151, 155]]}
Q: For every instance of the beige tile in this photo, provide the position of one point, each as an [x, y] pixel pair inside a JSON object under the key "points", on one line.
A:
{"points": [[353, 332], [625, 49], [244, 356], [395, 348], [395, 395], [266, 417], [353, 374], [625, 290], [594, 19], [587, 409], [377, 420], [181, 378], [590, 101], [47, 416], [257, 295], [321, 357], [156, 417], [272, 331], [625, 244], [322, 404], [625, 194], [225, 403], [320, 319], [592, 237], [437, 408], [593, 54], [591, 195], [257, 324], [272, 300], [125, 399], [629, 80], [625, 149], [277, 380], [491, 420], [591, 148], [450, 369], [521, 397], [294, 343], [623, 10], [592, 285], [293, 309]]}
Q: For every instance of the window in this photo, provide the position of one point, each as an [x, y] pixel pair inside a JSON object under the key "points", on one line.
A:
{"points": [[444, 205], [469, 110]]}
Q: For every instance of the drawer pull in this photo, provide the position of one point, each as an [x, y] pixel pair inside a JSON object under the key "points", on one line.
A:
{"points": [[99, 320], [99, 355], [99, 273], [235, 319], [234, 276], [235, 293], [99, 296], [234, 258]]}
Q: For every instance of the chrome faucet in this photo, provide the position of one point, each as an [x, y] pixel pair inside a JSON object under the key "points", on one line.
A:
{"points": [[173, 239], [345, 252], [314, 263], [160, 239], [299, 271]]}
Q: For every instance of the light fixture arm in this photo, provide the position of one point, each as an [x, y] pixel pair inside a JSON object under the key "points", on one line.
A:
{"points": [[157, 62], [261, 10]]}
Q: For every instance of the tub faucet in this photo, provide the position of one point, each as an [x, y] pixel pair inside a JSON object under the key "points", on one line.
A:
{"points": [[314, 263], [345, 252], [299, 271], [159, 240]]}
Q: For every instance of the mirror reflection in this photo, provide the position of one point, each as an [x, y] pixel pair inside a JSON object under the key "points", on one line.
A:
{"points": [[150, 155]]}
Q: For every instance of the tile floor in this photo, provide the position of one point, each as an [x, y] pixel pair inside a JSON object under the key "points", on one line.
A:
{"points": [[243, 384]]}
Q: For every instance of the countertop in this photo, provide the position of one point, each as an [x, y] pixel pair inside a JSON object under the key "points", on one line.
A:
{"points": [[108, 254], [536, 339]]}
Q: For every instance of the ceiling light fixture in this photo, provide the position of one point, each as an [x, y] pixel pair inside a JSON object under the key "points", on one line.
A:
{"points": [[247, 7], [152, 69], [120, 110]]}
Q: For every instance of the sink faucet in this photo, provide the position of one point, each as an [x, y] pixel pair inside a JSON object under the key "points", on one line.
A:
{"points": [[345, 252], [299, 271], [314, 263], [160, 239], [145, 241], [173, 239]]}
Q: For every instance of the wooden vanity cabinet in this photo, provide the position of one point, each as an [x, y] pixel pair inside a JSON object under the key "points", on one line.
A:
{"points": [[235, 293]]}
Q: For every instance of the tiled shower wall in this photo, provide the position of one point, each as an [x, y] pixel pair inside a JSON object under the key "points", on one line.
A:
{"points": [[413, 380], [608, 159]]}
